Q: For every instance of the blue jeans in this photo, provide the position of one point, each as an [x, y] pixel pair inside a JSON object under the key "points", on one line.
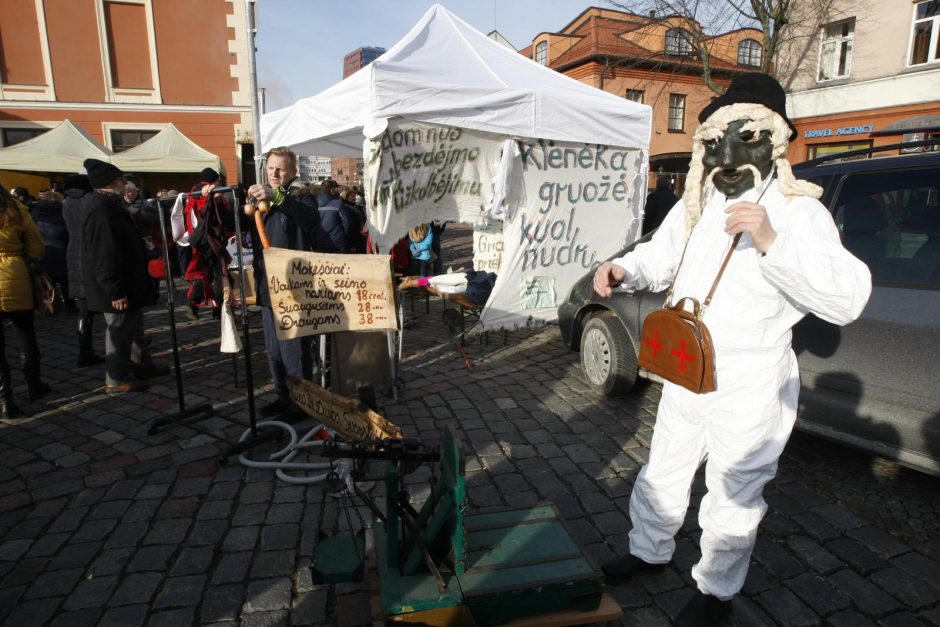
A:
{"points": [[124, 346], [285, 356]]}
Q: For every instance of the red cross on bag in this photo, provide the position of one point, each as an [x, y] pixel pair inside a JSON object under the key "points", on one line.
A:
{"points": [[676, 345]]}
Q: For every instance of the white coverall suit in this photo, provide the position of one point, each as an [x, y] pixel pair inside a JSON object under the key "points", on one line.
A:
{"points": [[742, 427]]}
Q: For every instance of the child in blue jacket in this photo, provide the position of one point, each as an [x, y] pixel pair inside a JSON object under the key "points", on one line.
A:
{"points": [[420, 239]]}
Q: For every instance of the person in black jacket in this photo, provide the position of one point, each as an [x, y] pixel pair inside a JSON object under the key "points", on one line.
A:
{"points": [[77, 190], [114, 270], [658, 204], [292, 223], [47, 214]]}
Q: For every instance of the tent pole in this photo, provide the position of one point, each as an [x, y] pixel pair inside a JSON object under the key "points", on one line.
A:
{"points": [[253, 86]]}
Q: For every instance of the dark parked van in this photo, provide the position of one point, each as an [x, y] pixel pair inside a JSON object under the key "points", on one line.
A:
{"points": [[874, 384]]}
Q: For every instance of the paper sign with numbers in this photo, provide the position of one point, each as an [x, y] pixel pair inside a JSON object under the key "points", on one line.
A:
{"points": [[315, 293]]}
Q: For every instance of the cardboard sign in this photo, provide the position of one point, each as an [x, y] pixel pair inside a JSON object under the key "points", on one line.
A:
{"points": [[315, 293], [348, 417], [488, 246]]}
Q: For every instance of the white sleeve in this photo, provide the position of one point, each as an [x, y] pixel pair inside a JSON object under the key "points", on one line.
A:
{"points": [[808, 263], [652, 265]]}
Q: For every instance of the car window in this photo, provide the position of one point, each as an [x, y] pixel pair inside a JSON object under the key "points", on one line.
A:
{"points": [[891, 221]]}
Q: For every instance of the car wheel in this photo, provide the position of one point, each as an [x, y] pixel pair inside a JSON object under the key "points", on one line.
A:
{"points": [[607, 357]]}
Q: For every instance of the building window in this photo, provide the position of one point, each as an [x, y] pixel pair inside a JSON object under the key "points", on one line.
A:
{"points": [[679, 42], [835, 59], [11, 136], [541, 53], [122, 139], [636, 95], [126, 32], [925, 42], [887, 219], [676, 112], [749, 53]]}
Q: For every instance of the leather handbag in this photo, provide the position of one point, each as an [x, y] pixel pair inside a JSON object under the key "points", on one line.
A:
{"points": [[676, 344], [46, 297]]}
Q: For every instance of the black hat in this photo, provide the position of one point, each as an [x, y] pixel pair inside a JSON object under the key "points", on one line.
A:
{"points": [[77, 181], [101, 173], [762, 89], [208, 175]]}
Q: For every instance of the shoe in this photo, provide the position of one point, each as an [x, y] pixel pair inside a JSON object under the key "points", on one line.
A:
{"points": [[275, 408], [8, 409], [192, 312], [155, 370], [84, 361], [623, 568], [703, 610], [37, 390], [135, 385]]}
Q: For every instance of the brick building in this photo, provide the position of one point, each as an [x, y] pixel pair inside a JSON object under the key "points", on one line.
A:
{"points": [[348, 170], [649, 60], [124, 69]]}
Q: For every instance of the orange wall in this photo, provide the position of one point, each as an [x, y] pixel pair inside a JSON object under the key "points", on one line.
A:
{"points": [[20, 53], [657, 88], [186, 78], [880, 118], [75, 51]]}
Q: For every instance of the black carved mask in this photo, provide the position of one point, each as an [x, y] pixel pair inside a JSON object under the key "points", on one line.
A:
{"points": [[736, 148]]}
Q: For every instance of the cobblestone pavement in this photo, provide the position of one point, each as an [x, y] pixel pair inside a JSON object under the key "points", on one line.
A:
{"points": [[104, 524]]}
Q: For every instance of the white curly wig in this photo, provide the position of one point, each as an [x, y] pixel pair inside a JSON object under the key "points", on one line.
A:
{"points": [[760, 118]]}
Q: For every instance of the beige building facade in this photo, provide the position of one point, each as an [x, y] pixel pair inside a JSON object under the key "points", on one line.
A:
{"points": [[864, 73], [124, 69]]}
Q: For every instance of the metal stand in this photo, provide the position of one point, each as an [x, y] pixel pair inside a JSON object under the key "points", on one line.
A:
{"points": [[201, 412], [184, 415]]}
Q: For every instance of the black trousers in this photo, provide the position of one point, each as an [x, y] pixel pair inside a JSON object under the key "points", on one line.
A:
{"points": [[29, 350]]}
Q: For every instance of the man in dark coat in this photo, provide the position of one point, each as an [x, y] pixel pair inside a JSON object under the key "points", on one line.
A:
{"points": [[658, 204], [291, 223], [114, 270], [47, 214], [335, 220], [74, 210]]}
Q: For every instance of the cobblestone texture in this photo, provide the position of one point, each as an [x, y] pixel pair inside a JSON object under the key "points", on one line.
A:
{"points": [[103, 523]]}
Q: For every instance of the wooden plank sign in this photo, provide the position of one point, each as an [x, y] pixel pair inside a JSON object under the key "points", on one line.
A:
{"points": [[348, 417], [314, 293]]}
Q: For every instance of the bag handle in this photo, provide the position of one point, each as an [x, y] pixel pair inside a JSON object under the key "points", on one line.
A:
{"points": [[734, 244]]}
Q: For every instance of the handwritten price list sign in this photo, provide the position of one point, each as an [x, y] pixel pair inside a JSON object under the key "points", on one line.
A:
{"points": [[315, 293]]}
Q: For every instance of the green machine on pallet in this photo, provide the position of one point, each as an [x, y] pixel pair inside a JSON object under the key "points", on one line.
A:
{"points": [[502, 565]]}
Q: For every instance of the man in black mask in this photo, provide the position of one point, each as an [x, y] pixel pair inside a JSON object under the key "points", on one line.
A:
{"points": [[789, 261]]}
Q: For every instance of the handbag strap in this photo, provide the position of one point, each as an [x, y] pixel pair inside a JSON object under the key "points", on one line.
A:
{"points": [[724, 264]]}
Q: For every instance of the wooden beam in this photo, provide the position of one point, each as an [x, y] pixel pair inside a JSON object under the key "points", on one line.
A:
{"points": [[348, 417]]}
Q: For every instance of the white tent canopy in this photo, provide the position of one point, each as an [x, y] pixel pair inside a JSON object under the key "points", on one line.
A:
{"points": [[453, 126], [62, 149], [446, 72], [167, 151]]}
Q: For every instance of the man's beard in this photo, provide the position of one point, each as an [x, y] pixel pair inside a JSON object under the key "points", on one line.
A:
{"points": [[758, 179]]}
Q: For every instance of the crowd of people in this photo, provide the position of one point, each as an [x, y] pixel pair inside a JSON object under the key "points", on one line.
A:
{"points": [[98, 236]]}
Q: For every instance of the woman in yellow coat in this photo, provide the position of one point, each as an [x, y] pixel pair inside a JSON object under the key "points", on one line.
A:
{"points": [[20, 244]]}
